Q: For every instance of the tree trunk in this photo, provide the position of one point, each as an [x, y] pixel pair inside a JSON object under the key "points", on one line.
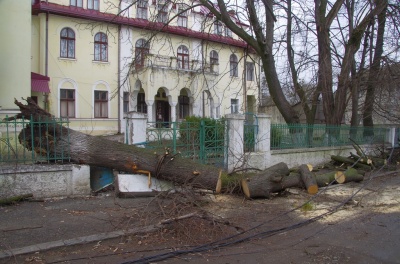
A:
{"points": [[349, 175], [272, 179], [351, 162], [98, 151]]}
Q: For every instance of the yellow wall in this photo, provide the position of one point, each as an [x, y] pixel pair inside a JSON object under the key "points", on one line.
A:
{"points": [[83, 73], [15, 51]]}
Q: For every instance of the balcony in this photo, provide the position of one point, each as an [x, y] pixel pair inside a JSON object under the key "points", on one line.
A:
{"points": [[153, 61]]}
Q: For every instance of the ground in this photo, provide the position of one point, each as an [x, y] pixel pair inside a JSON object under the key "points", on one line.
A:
{"points": [[348, 223]]}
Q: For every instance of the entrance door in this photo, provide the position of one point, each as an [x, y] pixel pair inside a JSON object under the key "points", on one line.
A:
{"points": [[163, 112]]}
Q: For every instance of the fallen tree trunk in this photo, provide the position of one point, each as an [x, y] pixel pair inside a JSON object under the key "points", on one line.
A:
{"points": [[98, 151], [273, 179]]}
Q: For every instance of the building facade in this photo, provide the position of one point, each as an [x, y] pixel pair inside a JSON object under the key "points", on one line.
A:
{"points": [[94, 60]]}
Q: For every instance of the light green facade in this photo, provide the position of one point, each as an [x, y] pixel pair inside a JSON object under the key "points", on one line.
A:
{"points": [[15, 53]]}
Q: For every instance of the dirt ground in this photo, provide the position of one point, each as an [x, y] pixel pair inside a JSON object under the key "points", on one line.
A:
{"points": [[349, 223]]}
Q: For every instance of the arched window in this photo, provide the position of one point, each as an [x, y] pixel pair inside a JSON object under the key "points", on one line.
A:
{"points": [[67, 43], [218, 27], [213, 61], [142, 48], [183, 57], [100, 47], [233, 65]]}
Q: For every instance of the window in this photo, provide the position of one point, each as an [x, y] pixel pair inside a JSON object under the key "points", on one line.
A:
{"points": [[67, 103], [77, 3], [162, 15], [126, 102], [234, 106], [67, 43], [141, 103], [214, 61], [218, 27], [249, 71], [233, 66], [141, 10], [183, 57], [100, 104], [141, 51], [182, 16], [100, 47], [93, 4], [228, 32], [183, 106]]}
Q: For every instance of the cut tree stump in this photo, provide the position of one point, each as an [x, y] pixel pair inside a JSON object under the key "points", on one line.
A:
{"points": [[308, 179]]}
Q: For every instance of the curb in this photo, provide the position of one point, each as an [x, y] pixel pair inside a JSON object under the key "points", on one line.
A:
{"points": [[75, 241]]}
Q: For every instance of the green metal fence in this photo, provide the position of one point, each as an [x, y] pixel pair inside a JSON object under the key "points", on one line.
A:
{"points": [[17, 137], [250, 132], [203, 141], [293, 136]]}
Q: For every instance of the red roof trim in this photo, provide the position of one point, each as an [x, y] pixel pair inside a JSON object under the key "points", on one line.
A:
{"points": [[94, 15]]}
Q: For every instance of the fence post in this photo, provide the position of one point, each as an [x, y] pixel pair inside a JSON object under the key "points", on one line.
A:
{"points": [[135, 128], [235, 150], [263, 140]]}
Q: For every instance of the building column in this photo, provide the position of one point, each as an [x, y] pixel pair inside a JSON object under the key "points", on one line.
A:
{"points": [[150, 115], [173, 111], [235, 152]]}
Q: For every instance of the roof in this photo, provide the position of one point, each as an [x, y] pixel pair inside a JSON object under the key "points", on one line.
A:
{"points": [[39, 83], [94, 15]]}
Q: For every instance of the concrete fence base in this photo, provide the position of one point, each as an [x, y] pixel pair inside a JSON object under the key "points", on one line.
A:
{"points": [[44, 181]]}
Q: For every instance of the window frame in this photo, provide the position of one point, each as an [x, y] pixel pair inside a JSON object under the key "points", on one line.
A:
{"points": [[92, 4], [101, 44], [218, 27], [233, 66], [141, 106], [142, 9], [214, 61], [76, 3], [183, 57], [125, 102], [66, 100], [162, 11], [68, 40], [142, 48], [234, 106], [249, 71], [183, 106], [182, 16], [100, 102]]}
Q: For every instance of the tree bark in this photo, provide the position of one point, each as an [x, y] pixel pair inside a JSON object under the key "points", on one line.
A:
{"points": [[98, 151], [308, 179], [272, 179], [349, 175]]}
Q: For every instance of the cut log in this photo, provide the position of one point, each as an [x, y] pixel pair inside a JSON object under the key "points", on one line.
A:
{"points": [[325, 179], [98, 151], [271, 180], [351, 162], [308, 179], [349, 175]]}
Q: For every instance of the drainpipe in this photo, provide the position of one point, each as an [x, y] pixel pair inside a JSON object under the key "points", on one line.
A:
{"points": [[46, 61], [119, 80]]}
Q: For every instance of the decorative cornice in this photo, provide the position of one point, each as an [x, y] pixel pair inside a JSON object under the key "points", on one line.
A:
{"points": [[94, 15]]}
